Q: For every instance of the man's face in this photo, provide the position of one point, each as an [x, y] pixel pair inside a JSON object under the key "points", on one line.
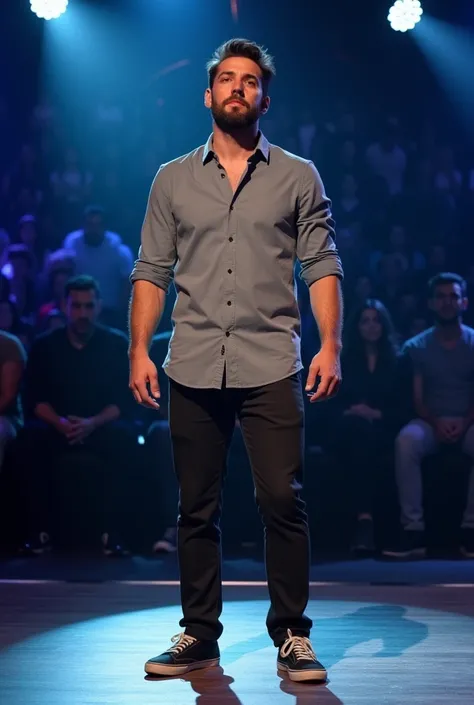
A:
{"points": [[94, 228], [83, 309], [236, 99], [448, 303]]}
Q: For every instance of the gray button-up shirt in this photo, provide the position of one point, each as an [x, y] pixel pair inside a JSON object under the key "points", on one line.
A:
{"points": [[233, 258]]}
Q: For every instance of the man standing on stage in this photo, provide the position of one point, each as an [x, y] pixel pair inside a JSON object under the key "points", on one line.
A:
{"points": [[228, 221]]}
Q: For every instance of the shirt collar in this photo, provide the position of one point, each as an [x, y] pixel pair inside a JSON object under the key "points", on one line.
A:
{"points": [[262, 150]]}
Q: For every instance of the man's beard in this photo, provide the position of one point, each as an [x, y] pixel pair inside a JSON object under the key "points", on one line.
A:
{"points": [[229, 120]]}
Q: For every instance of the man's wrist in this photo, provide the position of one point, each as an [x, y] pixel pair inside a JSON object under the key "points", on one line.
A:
{"points": [[138, 351], [331, 344]]}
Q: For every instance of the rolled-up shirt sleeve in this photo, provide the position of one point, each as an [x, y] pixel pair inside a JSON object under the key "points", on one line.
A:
{"points": [[316, 246], [157, 254]]}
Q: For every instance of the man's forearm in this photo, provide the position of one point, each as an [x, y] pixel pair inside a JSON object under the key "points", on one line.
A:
{"points": [[326, 304], [107, 415], [45, 412], [146, 308]]}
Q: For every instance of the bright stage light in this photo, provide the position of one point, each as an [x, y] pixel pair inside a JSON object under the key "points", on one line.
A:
{"points": [[49, 9], [405, 14]]}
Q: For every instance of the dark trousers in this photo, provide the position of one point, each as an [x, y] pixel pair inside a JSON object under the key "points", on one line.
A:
{"points": [[272, 422], [39, 453], [361, 445]]}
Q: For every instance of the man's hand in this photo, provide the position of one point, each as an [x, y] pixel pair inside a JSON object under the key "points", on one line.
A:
{"points": [[63, 426], [327, 366], [450, 430], [144, 381], [80, 429]]}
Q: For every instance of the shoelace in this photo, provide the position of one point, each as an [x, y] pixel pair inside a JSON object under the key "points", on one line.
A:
{"points": [[301, 645], [181, 641]]}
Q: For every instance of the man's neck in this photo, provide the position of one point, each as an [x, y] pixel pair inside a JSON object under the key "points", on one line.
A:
{"points": [[78, 341], [234, 146], [449, 333]]}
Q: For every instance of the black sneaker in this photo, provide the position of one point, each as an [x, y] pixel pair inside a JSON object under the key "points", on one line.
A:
{"points": [[364, 541], [297, 658], [411, 545], [187, 654], [37, 545], [467, 542], [112, 548]]}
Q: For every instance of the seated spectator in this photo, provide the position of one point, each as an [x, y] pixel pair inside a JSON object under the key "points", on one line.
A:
{"points": [[12, 364], [388, 160], [76, 395], [443, 398], [10, 322], [102, 255], [19, 269], [366, 408], [58, 277], [399, 245], [160, 455]]}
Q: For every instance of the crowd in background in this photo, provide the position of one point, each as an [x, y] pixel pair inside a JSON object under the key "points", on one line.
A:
{"points": [[72, 200]]}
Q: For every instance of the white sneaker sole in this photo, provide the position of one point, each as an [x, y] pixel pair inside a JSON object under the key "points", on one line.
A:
{"points": [[158, 669], [317, 674], [416, 553]]}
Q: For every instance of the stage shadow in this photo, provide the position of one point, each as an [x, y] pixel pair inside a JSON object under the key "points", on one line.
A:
{"points": [[213, 688], [335, 636]]}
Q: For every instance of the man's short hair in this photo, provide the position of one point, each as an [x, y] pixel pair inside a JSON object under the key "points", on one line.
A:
{"points": [[82, 283], [93, 210], [247, 49], [446, 278]]}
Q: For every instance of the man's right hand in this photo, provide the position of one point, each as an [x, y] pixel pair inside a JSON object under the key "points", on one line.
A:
{"points": [[444, 431], [144, 381], [64, 427]]}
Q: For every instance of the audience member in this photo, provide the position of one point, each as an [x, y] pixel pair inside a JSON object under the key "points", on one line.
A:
{"points": [[102, 255], [160, 456], [76, 394], [12, 364], [443, 400], [366, 409]]}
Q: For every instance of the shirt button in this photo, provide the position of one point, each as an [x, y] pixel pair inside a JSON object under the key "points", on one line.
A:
{"points": [[229, 271], [229, 303], [222, 176], [222, 349], [231, 239], [227, 334]]}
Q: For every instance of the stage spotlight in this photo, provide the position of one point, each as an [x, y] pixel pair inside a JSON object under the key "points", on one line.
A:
{"points": [[49, 9], [405, 14]]}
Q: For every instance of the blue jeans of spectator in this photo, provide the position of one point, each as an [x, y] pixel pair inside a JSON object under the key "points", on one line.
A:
{"points": [[414, 442]]}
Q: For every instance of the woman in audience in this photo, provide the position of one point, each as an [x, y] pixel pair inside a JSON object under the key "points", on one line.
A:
{"points": [[366, 408]]}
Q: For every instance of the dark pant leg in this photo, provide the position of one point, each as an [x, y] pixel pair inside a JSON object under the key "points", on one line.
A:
{"points": [[272, 422], [114, 445], [35, 454], [160, 460], [360, 443], [201, 425]]}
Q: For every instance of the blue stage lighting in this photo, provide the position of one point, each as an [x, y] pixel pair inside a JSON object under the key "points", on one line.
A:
{"points": [[405, 14], [49, 9]]}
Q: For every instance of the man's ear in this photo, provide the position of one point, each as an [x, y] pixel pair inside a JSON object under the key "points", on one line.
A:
{"points": [[207, 98], [265, 105]]}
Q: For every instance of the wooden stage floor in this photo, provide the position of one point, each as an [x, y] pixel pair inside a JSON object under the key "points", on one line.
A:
{"points": [[85, 643]]}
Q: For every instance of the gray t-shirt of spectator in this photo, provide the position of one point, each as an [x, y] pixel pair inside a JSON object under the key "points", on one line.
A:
{"points": [[448, 374]]}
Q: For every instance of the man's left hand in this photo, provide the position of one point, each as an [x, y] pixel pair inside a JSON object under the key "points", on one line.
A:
{"points": [[327, 366], [81, 429]]}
